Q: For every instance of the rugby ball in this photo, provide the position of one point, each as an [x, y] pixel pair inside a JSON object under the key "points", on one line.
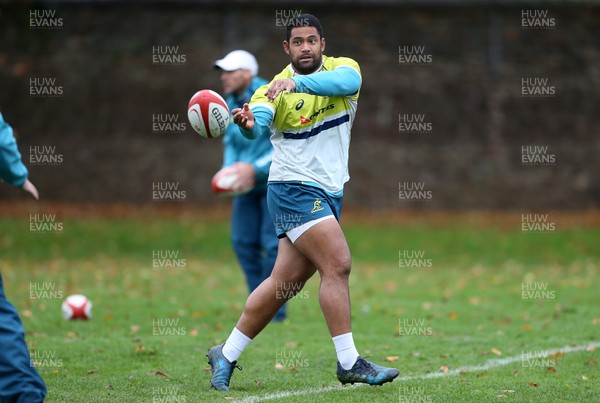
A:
{"points": [[208, 114], [76, 306], [224, 181]]}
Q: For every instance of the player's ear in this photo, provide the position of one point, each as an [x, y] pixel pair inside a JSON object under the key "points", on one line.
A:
{"points": [[322, 44], [286, 47]]}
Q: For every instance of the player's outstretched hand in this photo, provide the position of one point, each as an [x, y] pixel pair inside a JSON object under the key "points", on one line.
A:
{"points": [[29, 188], [243, 117], [277, 86]]}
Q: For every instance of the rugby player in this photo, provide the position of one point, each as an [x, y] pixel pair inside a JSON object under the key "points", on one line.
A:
{"points": [[307, 110]]}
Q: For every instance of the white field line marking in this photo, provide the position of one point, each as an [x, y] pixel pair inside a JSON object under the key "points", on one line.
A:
{"points": [[494, 363]]}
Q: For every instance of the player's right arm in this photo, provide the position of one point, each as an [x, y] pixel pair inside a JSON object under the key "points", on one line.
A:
{"points": [[253, 122], [255, 119]]}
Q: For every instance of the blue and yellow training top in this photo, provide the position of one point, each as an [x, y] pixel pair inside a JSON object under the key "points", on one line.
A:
{"points": [[310, 128]]}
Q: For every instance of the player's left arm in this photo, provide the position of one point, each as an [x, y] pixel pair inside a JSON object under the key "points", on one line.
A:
{"points": [[343, 81]]}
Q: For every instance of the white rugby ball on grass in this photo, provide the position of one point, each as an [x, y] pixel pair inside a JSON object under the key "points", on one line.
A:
{"points": [[77, 306]]}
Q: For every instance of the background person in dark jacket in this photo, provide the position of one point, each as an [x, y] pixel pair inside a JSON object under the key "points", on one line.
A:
{"points": [[252, 229], [19, 380]]}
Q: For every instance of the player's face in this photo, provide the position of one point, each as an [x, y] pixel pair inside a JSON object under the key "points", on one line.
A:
{"points": [[235, 81], [305, 49]]}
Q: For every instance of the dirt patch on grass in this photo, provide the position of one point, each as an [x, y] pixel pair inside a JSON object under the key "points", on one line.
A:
{"points": [[179, 211]]}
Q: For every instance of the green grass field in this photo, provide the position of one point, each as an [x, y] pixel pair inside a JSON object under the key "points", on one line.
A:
{"points": [[498, 314]]}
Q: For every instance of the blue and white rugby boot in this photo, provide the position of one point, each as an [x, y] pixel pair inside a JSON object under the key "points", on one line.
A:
{"points": [[364, 371], [222, 369]]}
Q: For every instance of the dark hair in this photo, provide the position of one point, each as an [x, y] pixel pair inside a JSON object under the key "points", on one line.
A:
{"points": [[303, 20]]}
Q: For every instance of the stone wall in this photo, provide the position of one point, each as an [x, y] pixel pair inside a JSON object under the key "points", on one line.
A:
{"points": [[466, 87]]}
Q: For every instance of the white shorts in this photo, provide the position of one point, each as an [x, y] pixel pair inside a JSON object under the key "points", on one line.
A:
{"points": [[295, 233]]}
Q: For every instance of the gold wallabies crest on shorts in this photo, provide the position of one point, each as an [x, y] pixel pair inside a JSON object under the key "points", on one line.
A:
{"points": [[316, 206]]}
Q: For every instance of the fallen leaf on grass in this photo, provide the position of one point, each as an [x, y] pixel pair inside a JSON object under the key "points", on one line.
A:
{"points": [[279, 366], [463, 372], [591, 361], [516, 373], [26, 313], [134, 329], [508, 391], [159, 373], [557, 354], [390, 287], [92, 371], [590, 348], [551, 369], [198, 314], [596, 321], [453, 315], [444, 369], [208, 369], [501, 396], [139, 348], [291, 344], [194, 332], [526, 326], [479, 375], [496, 351], [585, 378], [535, 385], [392, 358]]}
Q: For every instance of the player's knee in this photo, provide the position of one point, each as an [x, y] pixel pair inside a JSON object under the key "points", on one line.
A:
{"points": [[341, 265]]}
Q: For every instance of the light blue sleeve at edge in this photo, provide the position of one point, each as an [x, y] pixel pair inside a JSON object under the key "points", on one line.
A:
{"points": [[12, 169]]}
